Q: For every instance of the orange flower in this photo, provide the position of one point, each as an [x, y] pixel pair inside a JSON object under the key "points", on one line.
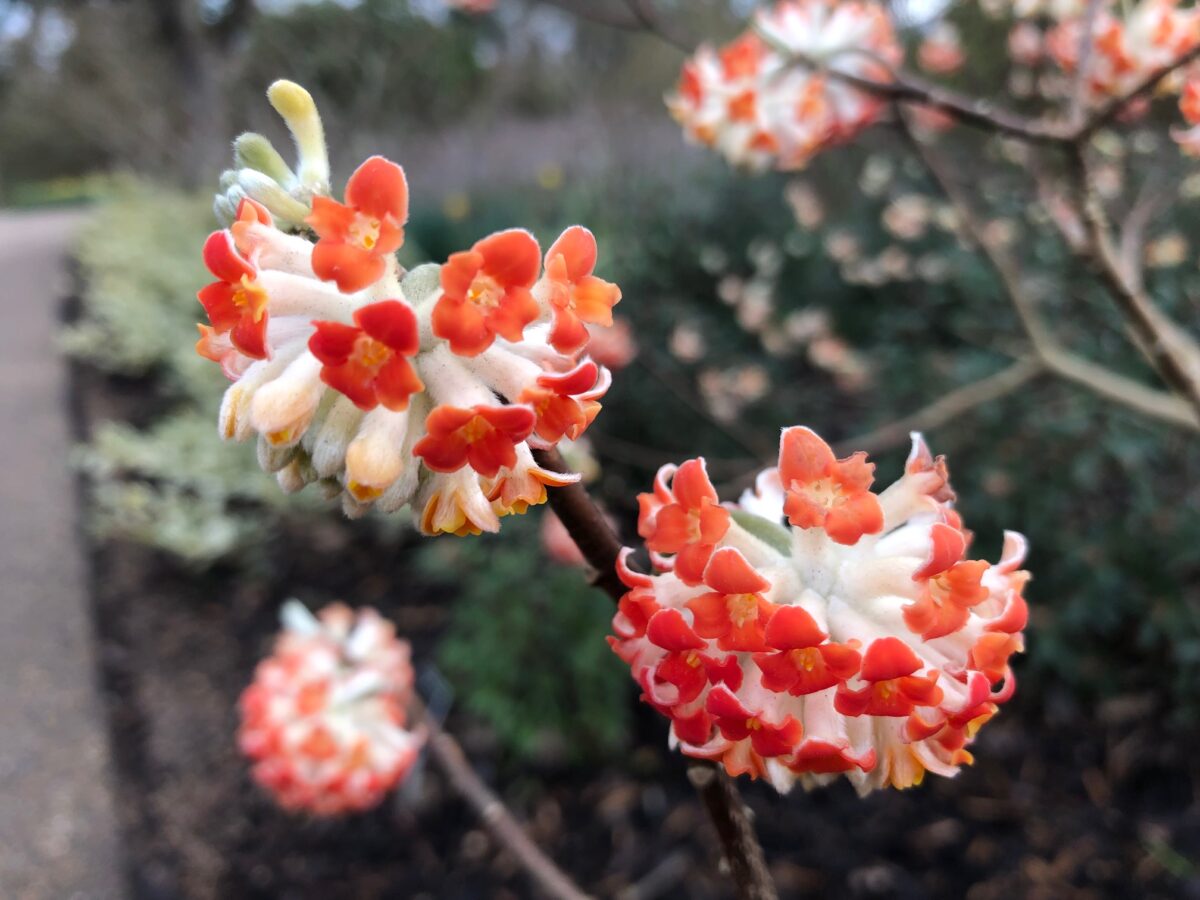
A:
{"points": [[686, 519], [825, 492], [566, 403], [576, 296], [482, 436], [804, 662], [950, 586], [486, 292], [734, 612], [893, 689], [236, 302], [367, 361], [357, 237]]}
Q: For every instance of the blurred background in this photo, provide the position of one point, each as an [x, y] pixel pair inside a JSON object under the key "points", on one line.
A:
{"points": [[841, 297]]}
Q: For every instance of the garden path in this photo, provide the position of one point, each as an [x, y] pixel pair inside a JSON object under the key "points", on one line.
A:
{"points": [[58, 826]]}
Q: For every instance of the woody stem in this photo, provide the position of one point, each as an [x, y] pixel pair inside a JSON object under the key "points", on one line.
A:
{"points": [[731, 819]]}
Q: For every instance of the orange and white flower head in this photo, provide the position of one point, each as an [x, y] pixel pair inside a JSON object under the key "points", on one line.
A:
{"points": [[817, 628], [1128, 46], [428, 389], [760, 107], [324, 720]]}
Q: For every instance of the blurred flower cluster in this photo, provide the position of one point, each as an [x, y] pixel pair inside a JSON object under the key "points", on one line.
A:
{"points": [[759, 102], [816, 628], [427, 388], [325, 718]]}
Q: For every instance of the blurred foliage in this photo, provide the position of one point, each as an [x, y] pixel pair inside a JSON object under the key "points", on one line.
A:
{"points": [[171, 484], [355, 61], [525, 645]]}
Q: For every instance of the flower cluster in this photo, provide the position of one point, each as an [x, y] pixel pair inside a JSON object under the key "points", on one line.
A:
{"points": [[1128, 47], [758, 101], [816, 627], [324, 719], [427, 388]]}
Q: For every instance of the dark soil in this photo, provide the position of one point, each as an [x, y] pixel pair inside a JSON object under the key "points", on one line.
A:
{"points": [[1063, 802]]}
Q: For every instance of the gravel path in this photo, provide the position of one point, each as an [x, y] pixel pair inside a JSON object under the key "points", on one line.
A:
{"points": [[58, 828]]}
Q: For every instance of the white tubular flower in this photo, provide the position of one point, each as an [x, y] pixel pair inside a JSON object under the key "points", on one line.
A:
{"points": [[816, 628], [324, 720], [389, 388]]}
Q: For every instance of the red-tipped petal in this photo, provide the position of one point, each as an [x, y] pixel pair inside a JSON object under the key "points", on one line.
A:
{"points": [[728, 572], [667, 629], [577, 246], [396, 382], [887, 658], [511, 257], [379, 188], [391, 322], [351, 268], [223, 260], [803, 456], [333, 342], [793, 628]]}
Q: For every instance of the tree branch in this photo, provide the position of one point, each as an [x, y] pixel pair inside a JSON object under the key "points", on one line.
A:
{"points": [[600, 547], [948, 407], [491, 810], [1057, 358], [1173, 353], [905, 87]]}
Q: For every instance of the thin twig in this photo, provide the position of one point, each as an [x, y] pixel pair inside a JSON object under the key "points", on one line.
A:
{"points": [[600, 547], [507, 831], [647, 15], [1174, 354], [1046, 346], [598, 14], [948, 407], [906, 87]]}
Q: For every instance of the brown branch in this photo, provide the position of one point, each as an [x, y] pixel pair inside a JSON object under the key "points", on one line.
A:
{"points": [[492, 812], [731, 819], [647, 15], [600, 547], [909, 88], [947, 408], [597, 14], [1057, 358], [1173, 354]]}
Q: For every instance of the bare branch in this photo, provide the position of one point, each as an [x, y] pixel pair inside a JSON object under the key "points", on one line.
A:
{"points": [[1173, 353], [600, 547], [492, 812], [906, 87], [644, 12], [947, 408], [1054, 356]]}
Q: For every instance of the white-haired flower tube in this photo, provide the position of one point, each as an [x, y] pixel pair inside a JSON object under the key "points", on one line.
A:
{"points": [[816, 628], [427, 388], [324, 719], [756, 104]]}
